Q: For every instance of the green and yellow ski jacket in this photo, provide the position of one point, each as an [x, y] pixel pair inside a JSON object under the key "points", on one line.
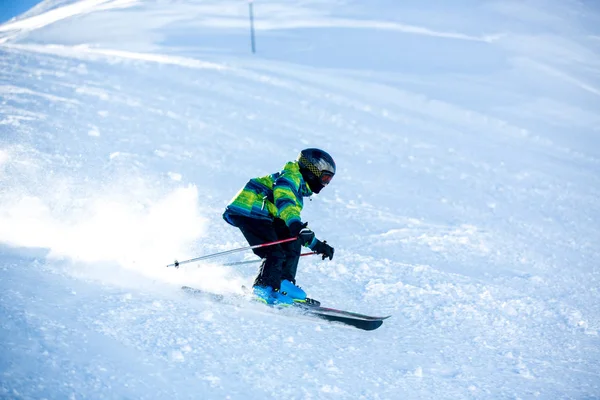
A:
{"points": [[278, 195]]}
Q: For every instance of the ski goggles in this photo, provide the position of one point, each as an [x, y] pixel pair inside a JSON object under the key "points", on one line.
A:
{"points": [[326, 177]]}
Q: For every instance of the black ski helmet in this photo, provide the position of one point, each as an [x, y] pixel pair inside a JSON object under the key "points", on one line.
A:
{"points": [[317, 168]]}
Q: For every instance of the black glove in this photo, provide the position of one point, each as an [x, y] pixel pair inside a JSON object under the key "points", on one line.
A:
{"points": [[296, 227], [306, 237], [323, 248]]}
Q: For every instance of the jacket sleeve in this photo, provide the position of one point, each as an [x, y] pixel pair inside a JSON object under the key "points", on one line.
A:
{"points": [[288, 200]]}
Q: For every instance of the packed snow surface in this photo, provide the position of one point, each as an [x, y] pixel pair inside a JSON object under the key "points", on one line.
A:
{"points": [[466, 202]]}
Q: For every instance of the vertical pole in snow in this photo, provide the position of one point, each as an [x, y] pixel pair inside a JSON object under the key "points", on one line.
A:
{"points": [[252, 26]]}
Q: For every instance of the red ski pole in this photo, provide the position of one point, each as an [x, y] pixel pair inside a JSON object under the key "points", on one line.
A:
{"points": [[259, 260], [176, 264]]}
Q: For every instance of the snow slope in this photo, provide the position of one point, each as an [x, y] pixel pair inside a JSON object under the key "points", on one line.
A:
{"points": [[465, 204]]}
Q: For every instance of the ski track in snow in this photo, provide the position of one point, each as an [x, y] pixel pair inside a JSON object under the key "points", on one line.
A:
{"points": [[461, 207]]}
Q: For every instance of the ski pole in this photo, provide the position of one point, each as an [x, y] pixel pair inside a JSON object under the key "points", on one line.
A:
{"points": [[176, 264], [259, 260]]}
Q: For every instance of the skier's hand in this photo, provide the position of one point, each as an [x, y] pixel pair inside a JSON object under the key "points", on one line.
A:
{"points": [[306, 237], [323, 248], [296, 227]]}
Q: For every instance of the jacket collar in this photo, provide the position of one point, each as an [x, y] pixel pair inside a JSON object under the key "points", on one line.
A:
{"points": [[303, 189]]}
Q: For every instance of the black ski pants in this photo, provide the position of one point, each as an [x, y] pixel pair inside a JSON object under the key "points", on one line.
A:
{"points": [[280, 261]]}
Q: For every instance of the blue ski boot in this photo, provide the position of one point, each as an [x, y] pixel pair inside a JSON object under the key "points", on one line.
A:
{"points": [[293, 291], [281, 299], [263, 293], [267, 295]]}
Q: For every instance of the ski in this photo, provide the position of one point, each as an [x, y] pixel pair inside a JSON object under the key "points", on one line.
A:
{"points": [[360, 321], [312, 308]]}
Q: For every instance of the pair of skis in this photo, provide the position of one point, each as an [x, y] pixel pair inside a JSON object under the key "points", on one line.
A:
{"points": [[310, 308], [313, 308]]}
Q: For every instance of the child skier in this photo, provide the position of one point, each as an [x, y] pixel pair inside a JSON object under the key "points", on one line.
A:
{"points": [[268, 208]]}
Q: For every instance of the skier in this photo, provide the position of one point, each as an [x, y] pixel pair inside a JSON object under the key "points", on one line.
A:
{"points": [[268, 209]]}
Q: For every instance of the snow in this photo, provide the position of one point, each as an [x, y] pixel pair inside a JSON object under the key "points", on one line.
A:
{"points": [[465, 204]]}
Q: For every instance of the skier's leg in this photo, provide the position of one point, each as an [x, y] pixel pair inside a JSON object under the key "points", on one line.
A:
{"points": [[291, 250], [270, 271], [290, 265], [258, 232]]}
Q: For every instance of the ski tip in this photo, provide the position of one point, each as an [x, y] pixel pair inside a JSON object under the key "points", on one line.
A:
{"points": [[372, 325], [360, 324]]}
